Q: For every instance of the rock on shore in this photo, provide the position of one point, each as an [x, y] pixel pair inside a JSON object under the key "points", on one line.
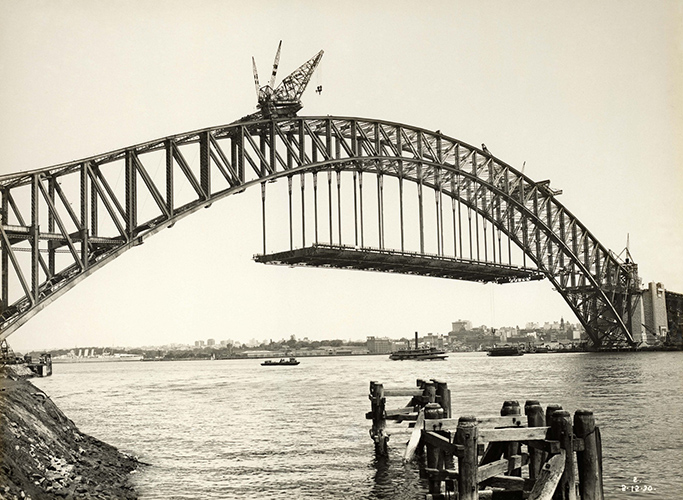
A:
{"points": [[43, 455]]}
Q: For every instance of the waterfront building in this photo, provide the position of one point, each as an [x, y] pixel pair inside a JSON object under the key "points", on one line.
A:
{"points": [[654, 313], [460, 325], [379, 345]]}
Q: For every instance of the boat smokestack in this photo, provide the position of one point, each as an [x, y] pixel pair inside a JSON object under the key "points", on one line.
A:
{"points": [[416, 340]]}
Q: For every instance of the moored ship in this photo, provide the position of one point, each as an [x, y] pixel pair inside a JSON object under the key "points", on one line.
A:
{"points": [[506, 350], [95, 358], [419, 353]]}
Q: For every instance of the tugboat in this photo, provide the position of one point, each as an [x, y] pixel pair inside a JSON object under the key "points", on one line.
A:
{"points": [[506, 350], [282, 362], [419, 353]]}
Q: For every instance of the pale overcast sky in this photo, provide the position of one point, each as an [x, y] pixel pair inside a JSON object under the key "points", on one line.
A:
{"points": [[588, 93]]}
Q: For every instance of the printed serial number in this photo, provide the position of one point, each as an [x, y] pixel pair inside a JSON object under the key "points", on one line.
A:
{"points": [[638, 488]]}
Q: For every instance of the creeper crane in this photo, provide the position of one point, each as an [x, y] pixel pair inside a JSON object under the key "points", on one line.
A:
{"points": [[283, 101]]}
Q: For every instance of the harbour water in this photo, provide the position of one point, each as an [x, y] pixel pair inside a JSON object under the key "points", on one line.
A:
{"points": [[236, 429]]}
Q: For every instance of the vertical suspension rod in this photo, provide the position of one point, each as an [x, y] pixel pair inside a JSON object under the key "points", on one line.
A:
{"points": [[339, 216], [420, 209], [360, 199], [380, 208], [263, 214], [400, 203], [399, 148], [315, 204], [329, 202], [291, 234], [303, 211], [439, 215], [355, 207], [455, 232]]}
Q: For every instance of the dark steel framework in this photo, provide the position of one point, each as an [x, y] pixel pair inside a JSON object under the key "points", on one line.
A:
{"points": [[61, 223]]}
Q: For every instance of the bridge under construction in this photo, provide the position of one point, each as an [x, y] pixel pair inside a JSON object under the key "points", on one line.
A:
{"points": [[358, 193]]}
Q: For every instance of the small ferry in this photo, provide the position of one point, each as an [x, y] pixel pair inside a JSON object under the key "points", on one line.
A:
{"points": [[506, 350], [419, 353], [282, 362]]}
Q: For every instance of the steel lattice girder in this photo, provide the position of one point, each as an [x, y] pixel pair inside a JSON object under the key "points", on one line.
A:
{"points": [[600, 290]]}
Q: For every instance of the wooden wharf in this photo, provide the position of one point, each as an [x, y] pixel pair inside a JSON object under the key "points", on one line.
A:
{"points": [[541, 455]]}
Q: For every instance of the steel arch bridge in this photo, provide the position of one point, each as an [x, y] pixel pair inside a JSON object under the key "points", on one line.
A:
{"points": [[61, 223]]}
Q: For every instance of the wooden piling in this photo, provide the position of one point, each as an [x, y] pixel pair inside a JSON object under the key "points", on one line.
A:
{"points": [[512, 449], [443, 397], [550, 409], [589, 460], [434, 411], [535, 418], [430, 392], [561, 430], [466, 436], [378, 432]]}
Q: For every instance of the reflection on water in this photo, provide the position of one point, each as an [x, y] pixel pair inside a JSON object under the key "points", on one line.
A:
{"points": [[234, 429]]}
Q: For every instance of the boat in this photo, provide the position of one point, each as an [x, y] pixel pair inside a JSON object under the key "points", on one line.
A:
{"points": [[419, 353], [282, 362], [96, 358], [505, 350]]}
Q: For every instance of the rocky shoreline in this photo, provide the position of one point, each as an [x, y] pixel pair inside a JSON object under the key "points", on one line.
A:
{"points": [[43, 455]]}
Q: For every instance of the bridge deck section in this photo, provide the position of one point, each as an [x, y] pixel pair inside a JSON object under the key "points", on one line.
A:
{"points": [[394, 261]]}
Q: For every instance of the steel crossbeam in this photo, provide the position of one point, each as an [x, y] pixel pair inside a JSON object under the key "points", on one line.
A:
{"points": [[83, 214]]}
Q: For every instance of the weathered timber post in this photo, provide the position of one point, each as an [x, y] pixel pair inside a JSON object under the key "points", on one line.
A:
{"points": [[430, 392], [535, 418], [466, 436], [550, 409], [511, 408], [443, 396], [561, 430], [378, 433], [434, 454], [590, 459], [418, 400]]}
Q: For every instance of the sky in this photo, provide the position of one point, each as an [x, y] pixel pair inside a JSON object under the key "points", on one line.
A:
{"points": [[588, 94]]}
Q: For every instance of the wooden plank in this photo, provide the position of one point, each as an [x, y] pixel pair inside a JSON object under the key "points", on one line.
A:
{"points": [[400, 411], [550, 446], [506, 421], [403, 416], [501, 466], [510, 483], [548, 478], [513, 434], [414, 438], [439, 441], [439, 474], [451, 424], [402, 392]]}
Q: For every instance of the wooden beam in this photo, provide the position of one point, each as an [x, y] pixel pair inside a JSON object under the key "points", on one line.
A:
{"points": [[450, 424], [403, 392], [513, 434], [502, 466], [414, 441], [548, 478], [439, 441]]}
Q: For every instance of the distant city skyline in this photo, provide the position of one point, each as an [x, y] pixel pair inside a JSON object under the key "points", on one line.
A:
{"points": [[218, 343]]}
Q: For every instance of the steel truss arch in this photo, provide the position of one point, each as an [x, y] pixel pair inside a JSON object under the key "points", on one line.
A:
{"points": [[599, 288]]}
